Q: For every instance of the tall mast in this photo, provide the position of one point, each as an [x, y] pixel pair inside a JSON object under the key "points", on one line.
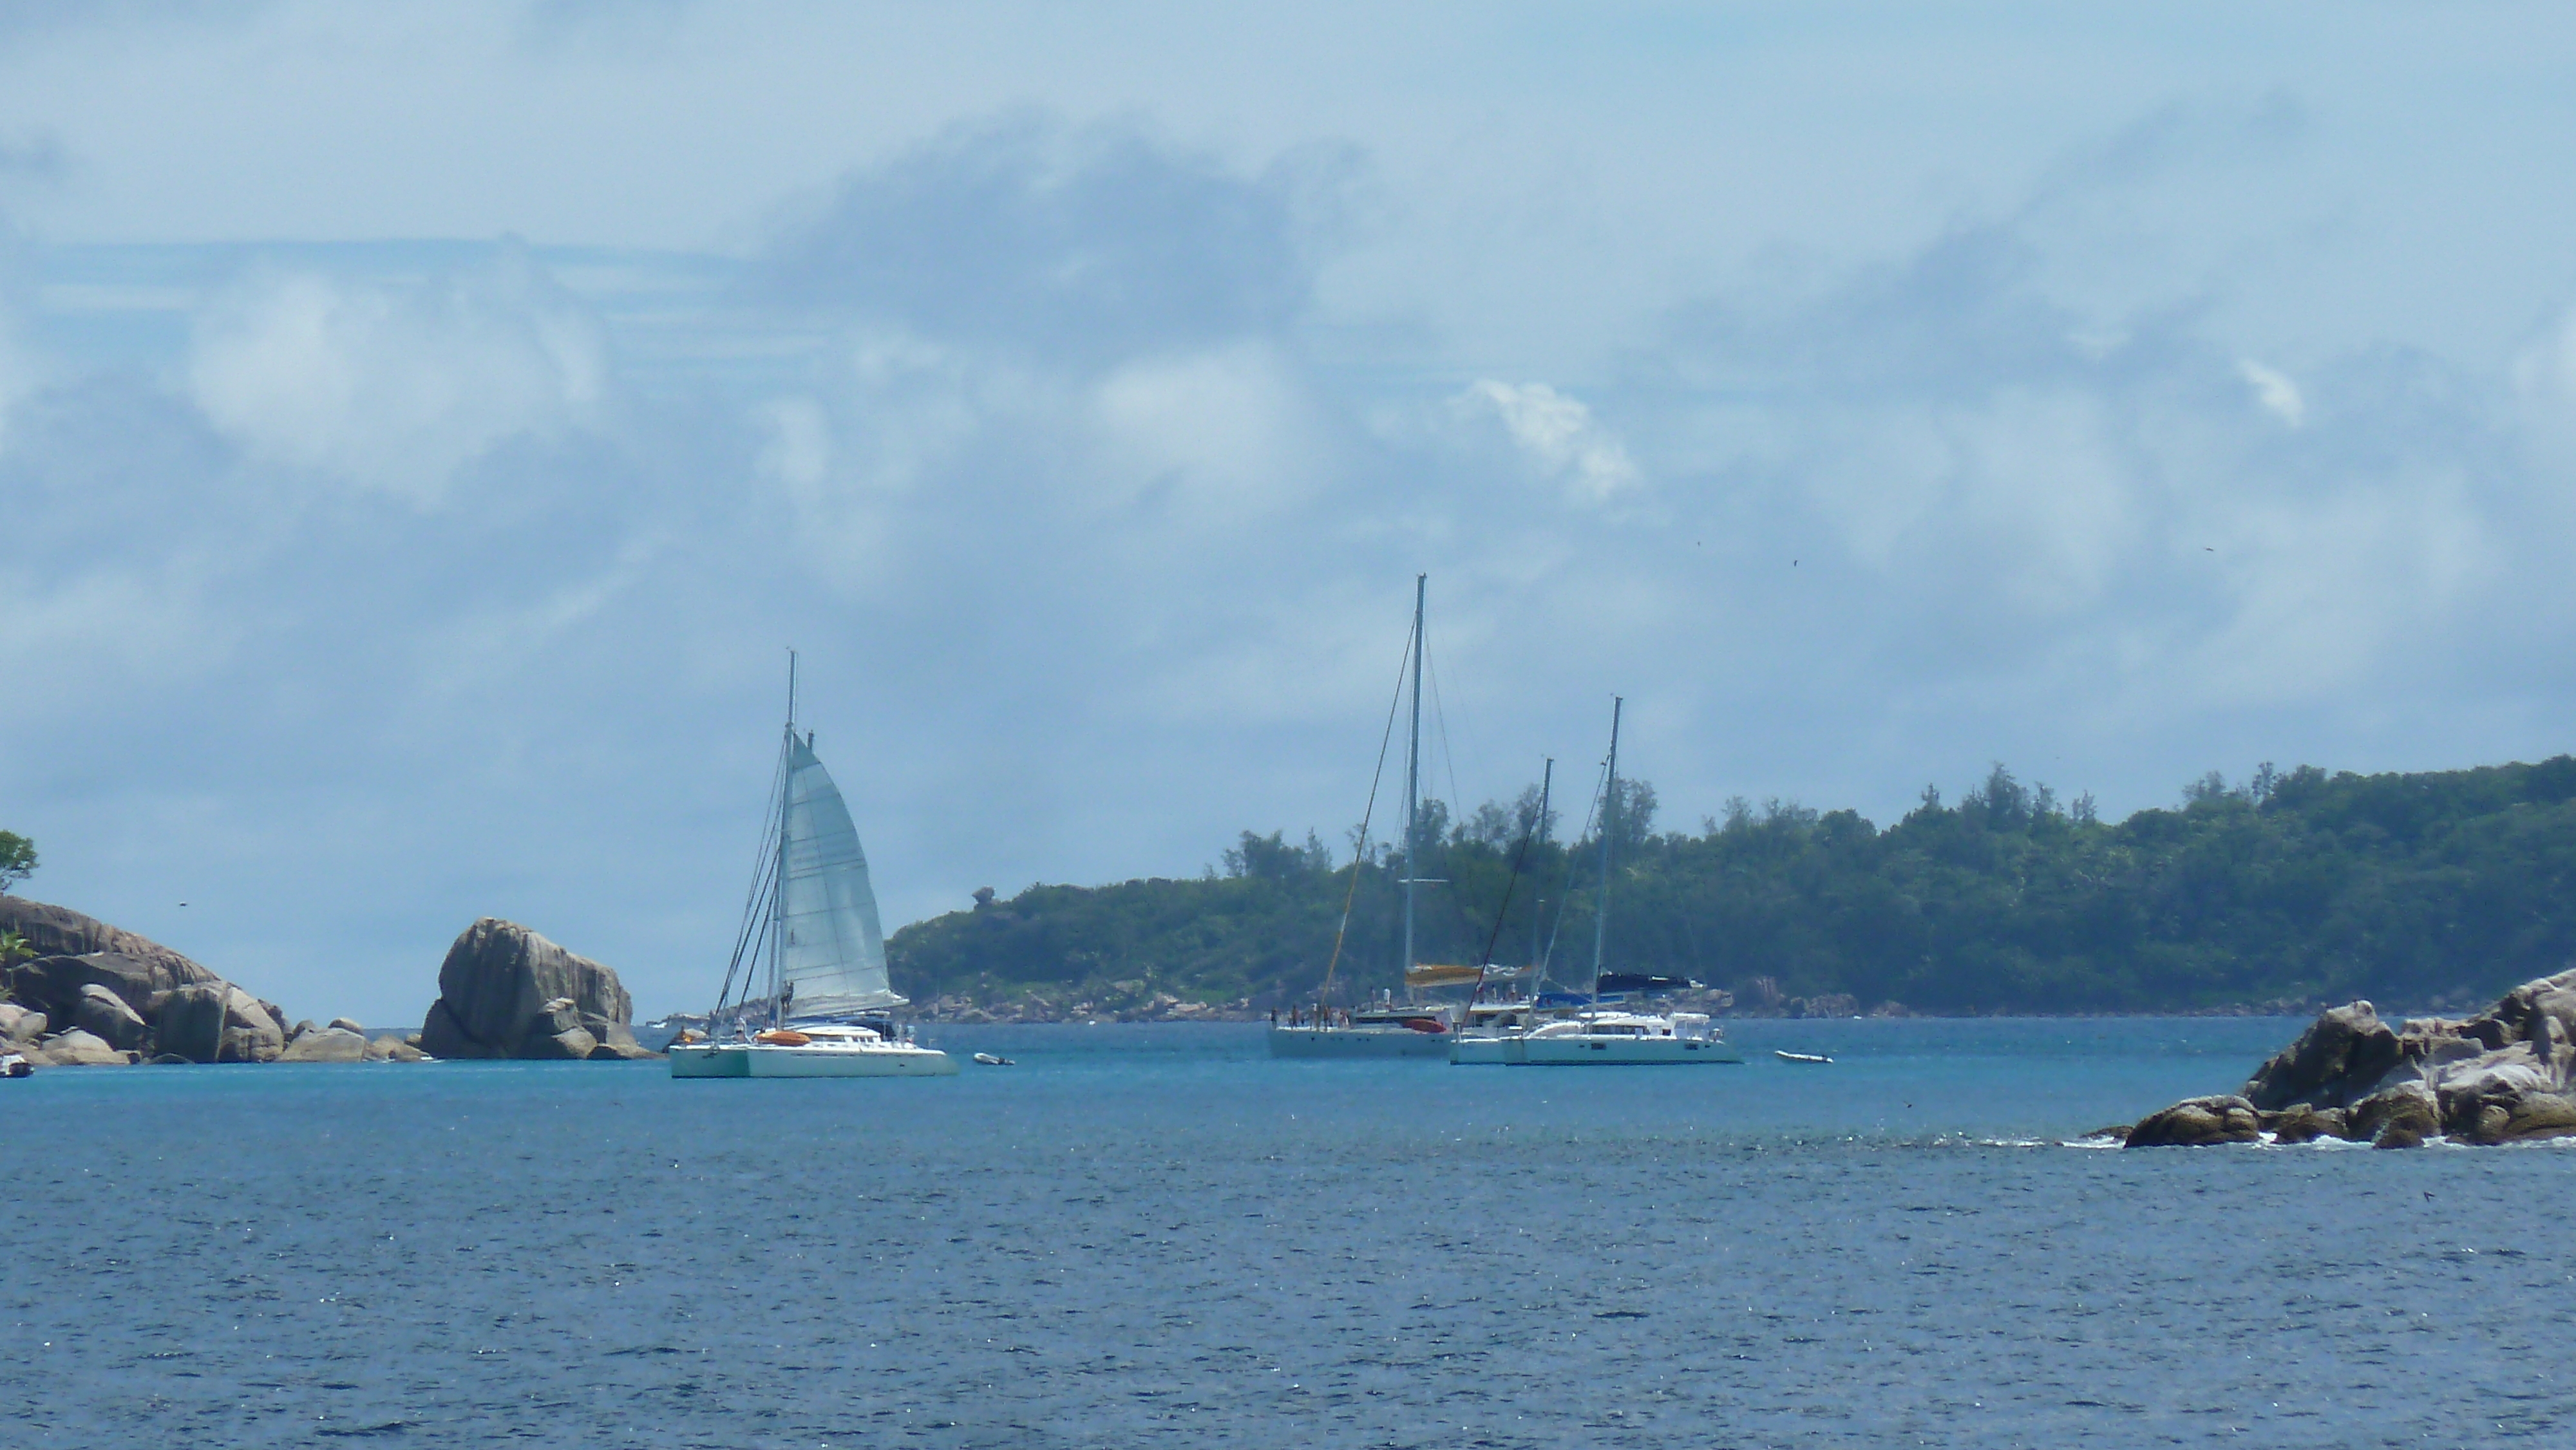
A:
{"points": [[1413, 776], [1609, 809], [778, 903], [1538, 907]]}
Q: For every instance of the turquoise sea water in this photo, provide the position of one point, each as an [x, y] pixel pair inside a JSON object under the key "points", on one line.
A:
{"points": [[1155, 1234]]}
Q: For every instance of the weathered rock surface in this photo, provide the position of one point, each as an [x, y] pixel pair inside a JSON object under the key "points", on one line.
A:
{"points": [[130, 992], [104, 1015], [2400, 1116], [2339, 1060], [191, 1023], [2300, 1123], [2195, 1121], [2503, 1076], [251, 1033], [21, 1024], [77, 1048], [394, 1049], [55, 983], [58, 931], [326, 1044], [343, 1024], [505, 991]]}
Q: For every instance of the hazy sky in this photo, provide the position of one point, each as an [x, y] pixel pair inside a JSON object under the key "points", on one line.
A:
{"points": [[423, 428]]}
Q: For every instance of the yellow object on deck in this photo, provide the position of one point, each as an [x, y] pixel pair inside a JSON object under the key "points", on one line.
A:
{"points": [[1428, 975]]}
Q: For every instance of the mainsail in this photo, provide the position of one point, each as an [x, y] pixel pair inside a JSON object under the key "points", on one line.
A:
{"points": [[831, 952]]}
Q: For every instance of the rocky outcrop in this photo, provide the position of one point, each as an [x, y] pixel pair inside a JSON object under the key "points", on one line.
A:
{"points": [[507, 992], [2506, 1075], [21, 1024], [326, 1044], [59, 931], [2303, 1124], [217, 1022], [2342, 1058], [2196, 1121], [77, 1048], [104, 1014], [134, 996]]}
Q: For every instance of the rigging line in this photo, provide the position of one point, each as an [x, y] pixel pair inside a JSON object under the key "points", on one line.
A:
{"points": [[1440, 722], [765, 867], [1359, 856], [1572, 859], [1519, 855]]}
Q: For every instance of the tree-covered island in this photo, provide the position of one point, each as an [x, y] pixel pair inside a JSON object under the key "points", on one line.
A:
{"points": [[2287, 889]]}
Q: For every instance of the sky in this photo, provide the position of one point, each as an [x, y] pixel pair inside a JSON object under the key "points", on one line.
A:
{"points": [[424, 430]]}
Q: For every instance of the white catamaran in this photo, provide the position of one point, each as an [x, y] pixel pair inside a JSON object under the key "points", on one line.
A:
{"points": [[1595, 1028], [812, 917]]}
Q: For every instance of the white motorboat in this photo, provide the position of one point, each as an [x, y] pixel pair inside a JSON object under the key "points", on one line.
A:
{"points": [[811, 922], [15, 1064]]}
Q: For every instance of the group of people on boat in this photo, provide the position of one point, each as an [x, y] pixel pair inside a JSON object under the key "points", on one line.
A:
{"points": [[1320, 1017]]}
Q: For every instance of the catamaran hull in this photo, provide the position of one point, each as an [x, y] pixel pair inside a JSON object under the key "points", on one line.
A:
{"points": [[1357, 1042], [1579, 1052], [709, 1060], [762, 1060]]}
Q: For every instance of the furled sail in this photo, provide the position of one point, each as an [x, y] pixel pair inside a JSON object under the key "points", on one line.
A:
{"points": [[831, 951]]}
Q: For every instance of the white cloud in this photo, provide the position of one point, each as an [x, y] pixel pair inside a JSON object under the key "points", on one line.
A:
{"points": [[396, 387], [2274, 390], [1559, 436]]}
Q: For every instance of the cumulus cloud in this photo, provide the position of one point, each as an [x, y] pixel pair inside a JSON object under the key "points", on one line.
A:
{"points": [[394, 387], [1558, 436], [2274, 390]]}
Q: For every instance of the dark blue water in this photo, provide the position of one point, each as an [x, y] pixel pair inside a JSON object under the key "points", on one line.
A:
{"points": [[1158, 1235]]}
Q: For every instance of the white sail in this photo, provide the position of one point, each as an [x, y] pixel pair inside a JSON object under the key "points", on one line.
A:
{"points": [[831, 950]]}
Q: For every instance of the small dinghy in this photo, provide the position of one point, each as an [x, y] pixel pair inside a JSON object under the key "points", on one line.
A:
{"points": [[1799, 1056], [989, 1060]]}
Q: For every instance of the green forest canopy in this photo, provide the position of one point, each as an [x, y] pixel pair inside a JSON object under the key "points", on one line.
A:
{"points": [[2444, 887]]}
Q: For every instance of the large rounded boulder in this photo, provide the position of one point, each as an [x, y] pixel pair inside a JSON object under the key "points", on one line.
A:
{"points": [[2194, 1122], [507, 992], [2343, 1057]]}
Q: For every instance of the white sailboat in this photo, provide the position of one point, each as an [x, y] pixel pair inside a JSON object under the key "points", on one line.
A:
{"points": [[1598, 1029], [1385, 1028], [828, 1007]]}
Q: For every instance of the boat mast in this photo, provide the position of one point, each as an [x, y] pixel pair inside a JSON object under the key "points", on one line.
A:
{"points": [[778, 904], [1538, 907], [1609, 809], [1413, 781]]}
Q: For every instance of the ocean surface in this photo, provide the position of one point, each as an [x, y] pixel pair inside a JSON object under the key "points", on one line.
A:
{"points": [[1157, 1235]]}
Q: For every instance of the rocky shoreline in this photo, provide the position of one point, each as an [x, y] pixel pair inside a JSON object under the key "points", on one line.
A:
{"points": [[95, 995], [2502, 1076]]}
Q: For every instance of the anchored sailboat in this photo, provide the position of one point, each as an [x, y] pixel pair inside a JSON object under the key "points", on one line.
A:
{"points": [[811, 917], [1386, 1028], [1592, 1029]]}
